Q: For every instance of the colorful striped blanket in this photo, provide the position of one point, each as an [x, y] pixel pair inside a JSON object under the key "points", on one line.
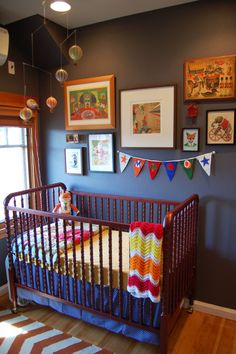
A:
{"points": [[145, 260]]}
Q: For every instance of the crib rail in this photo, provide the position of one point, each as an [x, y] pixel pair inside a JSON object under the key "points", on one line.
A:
{"points": [[122, 209]]}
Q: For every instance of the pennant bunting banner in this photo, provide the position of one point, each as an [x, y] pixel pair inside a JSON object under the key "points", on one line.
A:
{"points": [[170, 168], [153, 167], [188, 166], [138, 165], [204, 160], [124, 160]]}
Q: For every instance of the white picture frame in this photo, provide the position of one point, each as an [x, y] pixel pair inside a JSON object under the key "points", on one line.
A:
{"points": [[73, 161]]}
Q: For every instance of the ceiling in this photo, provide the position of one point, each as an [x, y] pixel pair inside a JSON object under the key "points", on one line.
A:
{"points": [[83, 12]]}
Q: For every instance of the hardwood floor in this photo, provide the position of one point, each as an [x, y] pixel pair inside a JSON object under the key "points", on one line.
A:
{"points": [[198, 333]]}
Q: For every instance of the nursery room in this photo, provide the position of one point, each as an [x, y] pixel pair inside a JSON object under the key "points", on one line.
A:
{"points": [[117, 197]]}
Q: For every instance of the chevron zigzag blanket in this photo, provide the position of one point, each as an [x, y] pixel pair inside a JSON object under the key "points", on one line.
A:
{"points": [[145, 241]]}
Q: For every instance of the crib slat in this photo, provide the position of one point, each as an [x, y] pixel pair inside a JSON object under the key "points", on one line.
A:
{"points": [[58, 259], [120, 276], [83, 264], [101, 269], [66, 265], [29, 253], [45, 286], [91, 265], [74, 270], [110, 270], [23, 262], [50, 272]]}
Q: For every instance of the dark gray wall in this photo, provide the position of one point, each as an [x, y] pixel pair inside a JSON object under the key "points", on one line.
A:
{"points": [[146, 50]]}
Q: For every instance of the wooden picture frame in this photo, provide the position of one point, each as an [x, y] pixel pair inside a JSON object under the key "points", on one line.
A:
{"points": [[101, 152], [190, 139], [220, 127], [73, 161], [210, 78], [90, 103], [148, 117]]}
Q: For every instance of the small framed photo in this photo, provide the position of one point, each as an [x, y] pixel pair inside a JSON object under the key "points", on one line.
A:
{"points": [[148, 117], [101, 153], [73, 161], [220, 127], [72, 138], [190, 139]]}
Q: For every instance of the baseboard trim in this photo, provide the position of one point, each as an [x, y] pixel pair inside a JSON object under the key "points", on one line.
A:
{"points": [[215, 310], [3, 289]]}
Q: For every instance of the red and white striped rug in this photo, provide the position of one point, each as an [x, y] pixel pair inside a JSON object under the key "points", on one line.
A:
{"points": [[20, 334]]}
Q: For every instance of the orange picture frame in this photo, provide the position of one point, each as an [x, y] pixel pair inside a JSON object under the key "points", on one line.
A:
{"points": [[90, 103], [210, 78]]}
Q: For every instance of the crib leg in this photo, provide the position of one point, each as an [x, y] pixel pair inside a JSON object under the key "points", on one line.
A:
{"points": [[12, 289], [163, 335]]}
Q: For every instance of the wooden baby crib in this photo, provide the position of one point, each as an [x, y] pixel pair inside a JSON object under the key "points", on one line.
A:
{"points": [[79, 264]]}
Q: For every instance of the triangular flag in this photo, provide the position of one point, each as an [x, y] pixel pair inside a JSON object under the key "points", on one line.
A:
{"points": [[170, 168], [124, 159], [188, 166], [205, 162], [138, 165], [153, 167]]}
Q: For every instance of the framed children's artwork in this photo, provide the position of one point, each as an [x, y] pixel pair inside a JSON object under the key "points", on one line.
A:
{"points": [[90, 103], [73, 161], [148, 117], [190, 139], [220, 127], [210, 78], [101, 153]]}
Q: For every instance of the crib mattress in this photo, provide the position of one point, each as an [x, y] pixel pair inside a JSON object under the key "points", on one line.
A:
{"points": [[100, 270]]}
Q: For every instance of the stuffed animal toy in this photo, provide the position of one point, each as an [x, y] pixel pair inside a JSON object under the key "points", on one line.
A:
{"points": [[64, 206]]}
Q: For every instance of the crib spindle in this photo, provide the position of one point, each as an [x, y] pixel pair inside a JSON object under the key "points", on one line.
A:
{"points": [[101, 269], [29, 251], [74, 270], [110, 270], [50, 271], [58, 259], [83, 264], [91, 265], [120, 276]]}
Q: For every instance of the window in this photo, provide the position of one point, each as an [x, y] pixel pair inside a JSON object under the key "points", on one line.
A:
{"points": [[18, 150], [14, 158]]}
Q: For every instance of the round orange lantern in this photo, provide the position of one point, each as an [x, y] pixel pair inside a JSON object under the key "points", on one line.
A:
{"points": [[51, 102], [26, 114]]}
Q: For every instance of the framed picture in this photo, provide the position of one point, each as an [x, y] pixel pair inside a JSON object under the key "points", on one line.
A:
{"points": [[90, 103], [190, 139], [220, 127], [72, 138], [210, 78], [101, 153], [148, 117], [73, 161]]}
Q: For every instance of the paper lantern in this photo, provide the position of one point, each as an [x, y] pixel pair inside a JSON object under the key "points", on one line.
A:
{"points": [[26, 114], [75, 53], [51, 102], [61, 75], [31, 103]]}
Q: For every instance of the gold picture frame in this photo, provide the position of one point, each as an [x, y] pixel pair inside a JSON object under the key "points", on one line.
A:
{"points": [[210, 78], [90, 103]]}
